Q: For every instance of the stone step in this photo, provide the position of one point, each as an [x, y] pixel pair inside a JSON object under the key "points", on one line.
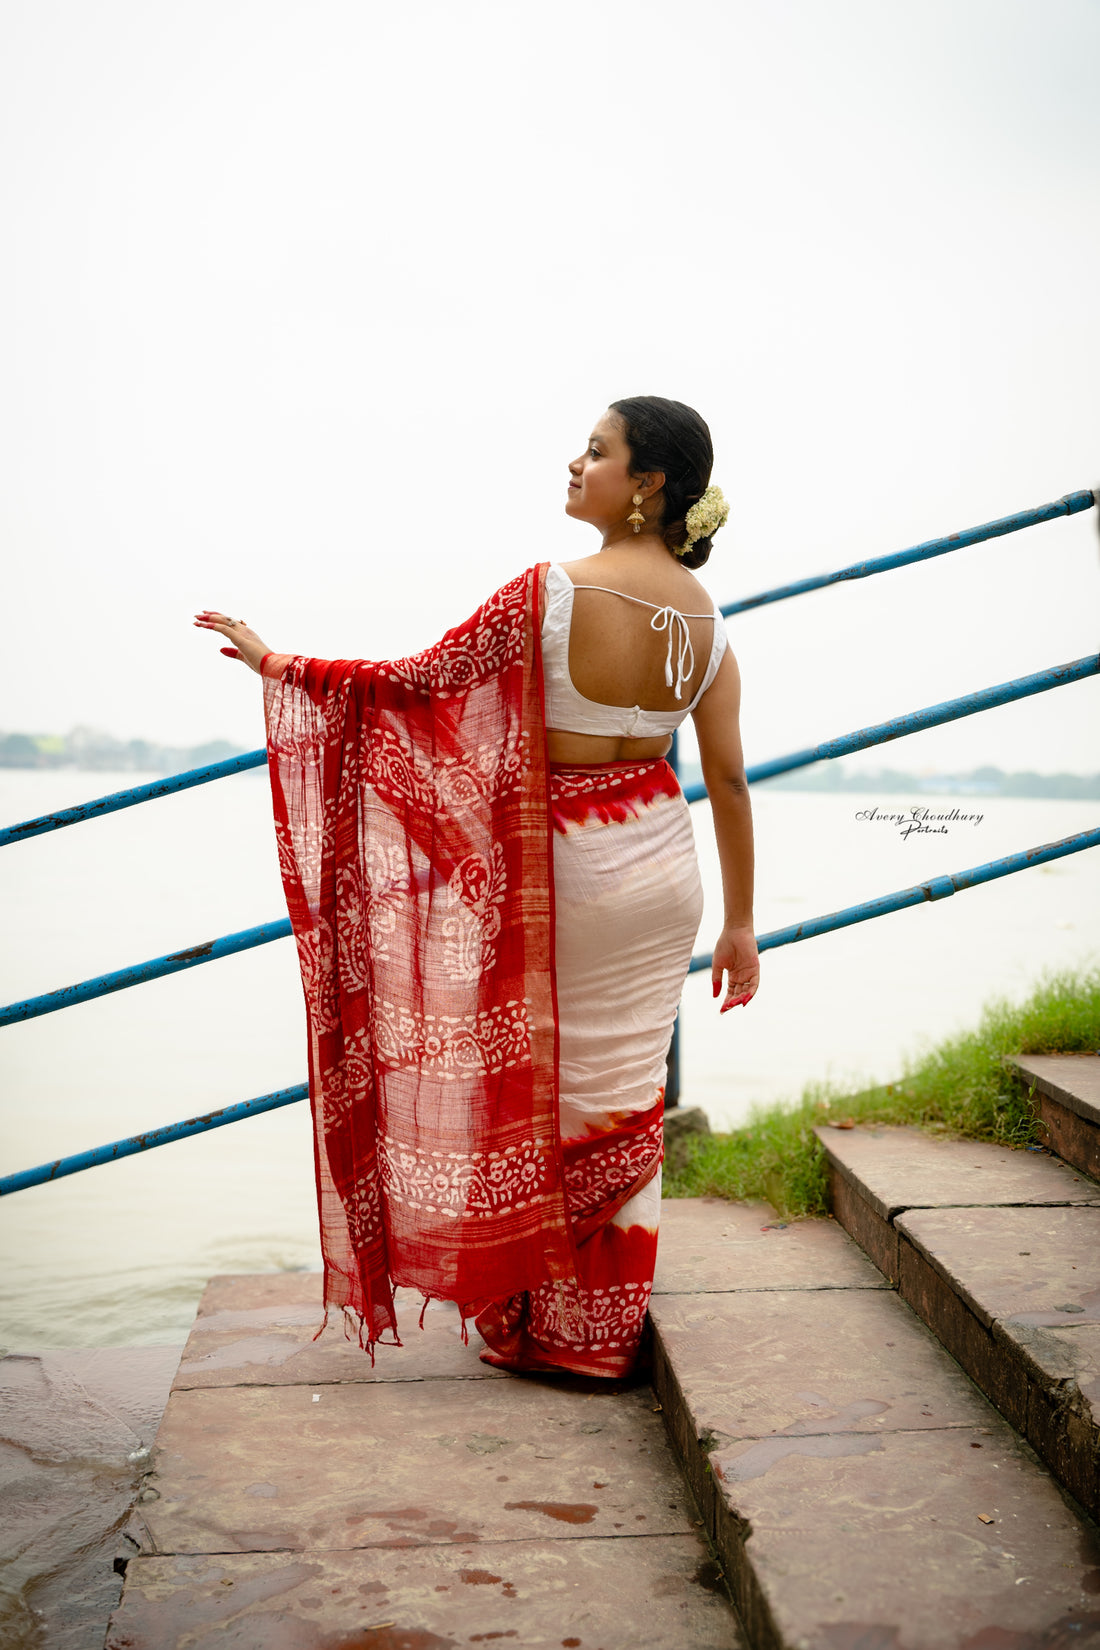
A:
{"points": [[998, 1251], [300, 1498], [861, 1492], [1066, 1091]]}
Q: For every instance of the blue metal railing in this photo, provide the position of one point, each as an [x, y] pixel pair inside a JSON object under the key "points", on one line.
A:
{"points": [[127, 799], [133, 1143], [919, 894], [1071, 505], [897, 727], [968, 704], [174, 962], [915, 721]]}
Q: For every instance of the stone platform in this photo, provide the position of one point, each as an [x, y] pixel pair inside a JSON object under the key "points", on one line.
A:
{"points": [[859, 1491], [302, 1499]]}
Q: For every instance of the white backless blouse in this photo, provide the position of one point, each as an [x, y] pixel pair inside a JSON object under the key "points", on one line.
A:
{"points": [[570, 712]]}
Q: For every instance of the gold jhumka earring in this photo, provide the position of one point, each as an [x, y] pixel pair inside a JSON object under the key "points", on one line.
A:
{"points": [[637, 520]]}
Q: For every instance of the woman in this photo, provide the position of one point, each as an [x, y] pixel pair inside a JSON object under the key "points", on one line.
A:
{"points": [[491, 877]]}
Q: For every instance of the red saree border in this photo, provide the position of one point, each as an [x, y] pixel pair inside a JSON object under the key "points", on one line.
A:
{"points": [[593, 1327]]}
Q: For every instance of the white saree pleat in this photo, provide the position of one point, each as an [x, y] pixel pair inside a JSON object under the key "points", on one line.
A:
{"points": [[628, 901]]}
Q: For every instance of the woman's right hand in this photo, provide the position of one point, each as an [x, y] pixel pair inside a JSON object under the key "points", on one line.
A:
{"points": [[736, 956], [247, 646]]}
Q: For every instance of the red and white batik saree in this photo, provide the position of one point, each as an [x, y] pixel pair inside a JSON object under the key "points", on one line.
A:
{"points": [[423, 844]]}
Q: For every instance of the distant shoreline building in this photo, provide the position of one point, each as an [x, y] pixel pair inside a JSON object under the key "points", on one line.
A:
{"points": [[91, 750], [987, 781]]}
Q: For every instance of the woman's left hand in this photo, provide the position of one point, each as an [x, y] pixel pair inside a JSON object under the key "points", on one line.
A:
{"points": [[247, 646], [736, 956]]}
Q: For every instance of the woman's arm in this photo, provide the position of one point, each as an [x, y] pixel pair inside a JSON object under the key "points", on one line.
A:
{"points": [[716, 724]]}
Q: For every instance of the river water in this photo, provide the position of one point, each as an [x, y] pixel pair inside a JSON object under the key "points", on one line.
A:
{"points": [[118, 1255]]}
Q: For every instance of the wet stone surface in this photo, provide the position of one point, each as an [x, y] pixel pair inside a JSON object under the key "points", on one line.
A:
{"points": [[891, 1537], [297, 1496], [428, 1502], [75, 1429], [659, 1594], [896, 1169], [406, 1464]]}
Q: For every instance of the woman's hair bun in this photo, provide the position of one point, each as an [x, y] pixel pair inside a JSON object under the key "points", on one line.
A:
{"points": [[697, 555], [671, 437]]}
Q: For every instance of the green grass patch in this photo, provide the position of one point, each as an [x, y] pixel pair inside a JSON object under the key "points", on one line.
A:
{"points": [[958, 1088]]}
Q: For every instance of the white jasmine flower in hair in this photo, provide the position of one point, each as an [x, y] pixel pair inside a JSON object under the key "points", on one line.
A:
{"points": [[706, 516]]}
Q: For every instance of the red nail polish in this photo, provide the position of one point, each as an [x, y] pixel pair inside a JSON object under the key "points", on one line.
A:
{"points": [[717, 984]]}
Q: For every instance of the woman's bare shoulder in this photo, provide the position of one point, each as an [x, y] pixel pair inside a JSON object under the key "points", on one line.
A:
{"points": [[583, 569]]}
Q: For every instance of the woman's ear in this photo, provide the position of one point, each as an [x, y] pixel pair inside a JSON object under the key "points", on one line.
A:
{"points": [[651, 483]]}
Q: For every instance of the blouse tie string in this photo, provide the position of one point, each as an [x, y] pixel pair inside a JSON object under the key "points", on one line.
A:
{"points": [[679, 636]]}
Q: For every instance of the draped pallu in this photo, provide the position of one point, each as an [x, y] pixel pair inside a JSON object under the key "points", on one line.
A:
{"points": [[412, 803]]}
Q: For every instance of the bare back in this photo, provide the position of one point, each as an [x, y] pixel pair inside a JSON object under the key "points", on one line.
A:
{"points": [[615, 655]]}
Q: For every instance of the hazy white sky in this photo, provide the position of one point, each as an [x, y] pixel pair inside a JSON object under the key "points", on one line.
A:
{"points": [[305, 306]]}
